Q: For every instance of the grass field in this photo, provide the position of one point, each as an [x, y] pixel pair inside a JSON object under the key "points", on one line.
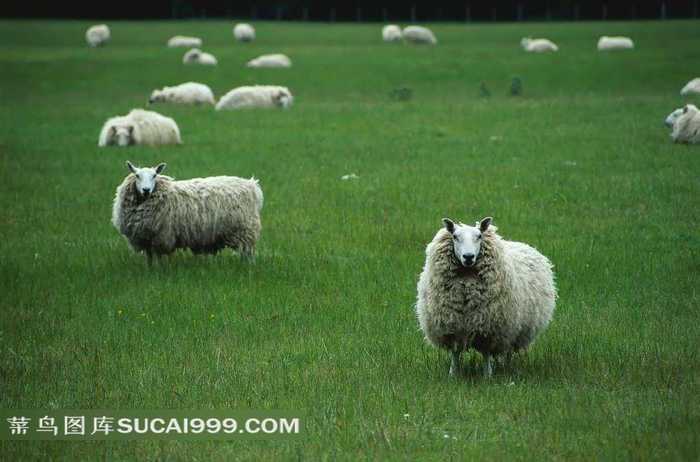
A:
{"points": [[579, 165]]}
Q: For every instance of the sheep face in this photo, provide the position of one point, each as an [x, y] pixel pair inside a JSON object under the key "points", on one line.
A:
{"points": [[157, 96], [466, 240], [283, 100], [146, 178], [673, 117], [122, 135]]}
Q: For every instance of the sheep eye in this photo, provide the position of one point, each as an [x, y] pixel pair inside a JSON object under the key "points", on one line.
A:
{"points": [[478, 238], [455, 238], [154, 176]]}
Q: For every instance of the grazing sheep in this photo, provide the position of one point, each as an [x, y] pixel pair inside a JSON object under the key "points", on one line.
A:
{"points": [[184, 41], [158, 215], [606, 43], [244, 32], [256, 96], [197, 56], [480, 291], [139, 127], [686, 128], [98, 35], [539, 45], [185, 93], [271, 60], [691, 87], [392, 33], [419, 35]]}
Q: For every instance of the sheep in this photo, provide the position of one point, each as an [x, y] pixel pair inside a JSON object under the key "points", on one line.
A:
{"points": [[419, 35], [271, 60], [98, 35], [158, 215], [185, 93], [392, 33], [691, 87], [243, 32], [197, 56], [606, 43], [480, 291], [686, 128], [539, 45], [256, 96], [184, 41], [139, 127]]}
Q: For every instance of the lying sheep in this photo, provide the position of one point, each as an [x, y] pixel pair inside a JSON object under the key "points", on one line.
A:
{"points": [[691, 87], [185, 93], [256, 96], [606, 43], [480, 291], [139, 127], [158, 215], [392, 33], [98, 35], [686, 128], [244, 32], [539, 45], [184, 41], [419, 35], [197, 56], [271, 60]]}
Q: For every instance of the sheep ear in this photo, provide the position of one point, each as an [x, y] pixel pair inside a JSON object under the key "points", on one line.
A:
{"points": [[449, 225], [131, 167], [685, 108], [485, 223], [160, 167]]}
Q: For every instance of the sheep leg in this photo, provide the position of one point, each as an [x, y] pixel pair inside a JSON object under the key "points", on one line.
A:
{"points": [[487, 365], [454, 366], [247, 256], [149, 257]]}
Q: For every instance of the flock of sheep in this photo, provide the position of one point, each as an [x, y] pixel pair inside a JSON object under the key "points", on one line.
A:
{"points": [[476, 290]]}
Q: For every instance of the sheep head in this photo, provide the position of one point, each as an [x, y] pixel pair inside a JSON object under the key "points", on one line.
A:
{"points": [[466, 240], [146, 178]]}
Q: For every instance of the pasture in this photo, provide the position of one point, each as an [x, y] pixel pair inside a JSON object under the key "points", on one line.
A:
{"points": [[579, 165]]}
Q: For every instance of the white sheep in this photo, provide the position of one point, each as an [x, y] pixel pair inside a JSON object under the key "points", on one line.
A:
{"points": [[244, 32], [184, 41], [158, 215], [185, 93], [270, 60], [98, 35], [606, 43], [256, 96], [686, 128], [197, 56], [480, 291], [392, 33], [139, 127], [419, 35], [691, 87], [539, 45]]}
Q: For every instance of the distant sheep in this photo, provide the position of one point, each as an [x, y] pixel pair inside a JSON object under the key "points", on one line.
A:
{"points": [[271, 60], [686, 128], [184, 41], [197, 56], [158, 215], [606, 43], [539, 45], [139, 127], [256, 96], [480, 291], [419, 35], [691, 87], [244, 32], [185, 93], [98, 35], [392, 33]]}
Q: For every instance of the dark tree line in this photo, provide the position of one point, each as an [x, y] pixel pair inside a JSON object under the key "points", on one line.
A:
{"points": [[358, 10]]}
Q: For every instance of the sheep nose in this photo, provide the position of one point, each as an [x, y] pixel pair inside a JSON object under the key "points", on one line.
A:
{"points": [[468, 258], [146, 191]]}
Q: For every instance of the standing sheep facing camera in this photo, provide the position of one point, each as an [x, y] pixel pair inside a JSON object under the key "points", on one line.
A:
{"points": [[480, 291], [419, 35], [158, 215], [606, 43], [686, 125], [98, 35], [539, 45], [244, 32], [256, 96], [185, 93], [197, 56], [270, 60], [139, 127]]}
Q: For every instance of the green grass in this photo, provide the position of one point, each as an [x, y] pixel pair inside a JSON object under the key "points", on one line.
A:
{"points": [[583, 169]]}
